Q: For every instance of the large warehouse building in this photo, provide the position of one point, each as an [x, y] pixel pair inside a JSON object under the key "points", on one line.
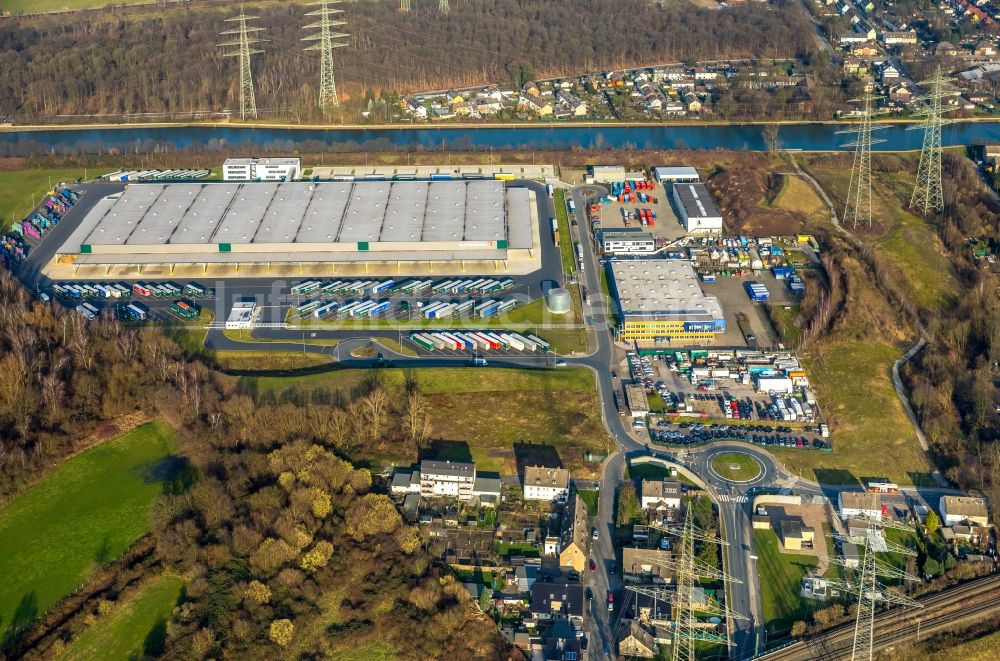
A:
{"points": [[660, 303], [696, 209], [388, 226]]}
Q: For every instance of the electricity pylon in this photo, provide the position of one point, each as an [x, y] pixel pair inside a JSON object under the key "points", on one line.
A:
{"points": [[247, 36], [870, 590], [404, 5], [858, 207], [928, 193], [687, 569], [443, 6], [326, 42]]}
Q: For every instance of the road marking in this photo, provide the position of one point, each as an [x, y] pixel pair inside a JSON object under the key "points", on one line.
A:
{"points": [[726, 498]]}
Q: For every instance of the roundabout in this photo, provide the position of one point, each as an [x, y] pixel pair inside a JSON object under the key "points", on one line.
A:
{"points": [[735, 466]]}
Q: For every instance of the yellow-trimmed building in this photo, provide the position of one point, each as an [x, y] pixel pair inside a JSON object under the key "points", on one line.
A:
{"points": [[660, 303]]}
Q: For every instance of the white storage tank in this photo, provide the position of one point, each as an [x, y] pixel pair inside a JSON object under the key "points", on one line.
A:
{"points": [[557, 300]]}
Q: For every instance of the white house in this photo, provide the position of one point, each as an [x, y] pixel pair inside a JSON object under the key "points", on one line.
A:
{"points": [[541, 483], [447, 478], [661, 494]]}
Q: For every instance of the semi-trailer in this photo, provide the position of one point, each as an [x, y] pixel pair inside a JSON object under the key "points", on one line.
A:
{"points": [[383, 287], [306, 287], [306, 308], [528, 344], [381, 308], [86, 311], [509, 304], [422, 342], [490, 309], [443, 311], [331, 287], [346, 309], [431, 308], [442, 287], [362, 310], [539, 342], [422, 286], [407, 287], [185, 309], [464, 307], [514, 342], [137, 310], [325, 309]]}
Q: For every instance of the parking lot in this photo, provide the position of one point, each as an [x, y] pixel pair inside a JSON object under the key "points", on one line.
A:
{"points": [[671, 432]]}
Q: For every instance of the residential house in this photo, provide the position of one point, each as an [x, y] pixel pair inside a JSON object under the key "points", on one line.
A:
{"points": [[984, 48], [946, 49], [692, 102], [464, 109], [574, 534], [535, 104], [487, 489], [454, 97], [525, 577], [864, 50], [852, 38], [571, 104], [660, 494], [704, 74], [487, 106], [900, 94], [646, 565], [857, 528], [551, 545], [405, 481], [562, 643], [963, 509], [541, 483], [492, 93], [853, 504], [888, 72], [899, 38], [415, 107], [652, 610], [674, 108], [638, 643], [854, 66], [447, 478], [850, 553], [554, 601]]}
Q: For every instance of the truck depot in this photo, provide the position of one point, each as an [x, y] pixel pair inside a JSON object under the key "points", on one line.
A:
{"points": [[367, 226]]}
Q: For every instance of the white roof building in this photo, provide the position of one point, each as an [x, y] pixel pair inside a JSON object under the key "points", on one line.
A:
{"points": [[696, 209]]}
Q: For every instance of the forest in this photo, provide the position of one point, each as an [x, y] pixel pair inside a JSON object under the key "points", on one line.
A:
{"points": [[166, 60], [287, 547]]}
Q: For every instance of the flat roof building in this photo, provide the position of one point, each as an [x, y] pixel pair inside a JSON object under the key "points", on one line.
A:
{"points": [[696, 209], [242, 315], [625, 242], [541, 483], [637, 402], [859, 505], [262, 169], [660, 302], [323, 224], [958, 509], [669, 175]]}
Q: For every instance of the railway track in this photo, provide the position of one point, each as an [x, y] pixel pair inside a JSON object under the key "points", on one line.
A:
{"points": [[969, 602]]}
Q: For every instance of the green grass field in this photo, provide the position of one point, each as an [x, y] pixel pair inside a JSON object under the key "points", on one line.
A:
{"points": [[135, 627], [84, 514], [490, 409], [780, 579], [870, 431], [736, 467], [19, 188], [592, 499]]}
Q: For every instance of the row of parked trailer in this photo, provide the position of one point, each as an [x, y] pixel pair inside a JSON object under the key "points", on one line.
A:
{"points": [[13, 245], [468, 340], [487, 308], [358, 309], [156, 175], [413, 287]]}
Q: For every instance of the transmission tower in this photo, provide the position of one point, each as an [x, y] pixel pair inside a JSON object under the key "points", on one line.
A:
{"points": [[858, 207], [928, 194], [326, 42], [687, 569], [870, 590], [247, 36], [443, 6], [404, 5]]}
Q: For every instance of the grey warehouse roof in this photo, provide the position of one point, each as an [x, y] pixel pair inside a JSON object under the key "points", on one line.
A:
{"points": [[662, 287], [158, 214], [697, 201]]}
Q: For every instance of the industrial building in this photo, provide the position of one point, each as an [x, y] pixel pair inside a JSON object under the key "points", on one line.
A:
{"points": [[661, 303], [959, 509], [696, 209], [482, 224], [261, 169], [625, 242], [674, 175]]}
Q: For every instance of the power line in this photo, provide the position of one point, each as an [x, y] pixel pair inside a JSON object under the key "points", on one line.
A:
{"points": [[325, 38], [858, 208], [247, 36], [928, 192]]}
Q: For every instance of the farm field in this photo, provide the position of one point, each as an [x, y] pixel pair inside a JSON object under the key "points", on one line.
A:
{"points": [[81, 516], [135, 627]]}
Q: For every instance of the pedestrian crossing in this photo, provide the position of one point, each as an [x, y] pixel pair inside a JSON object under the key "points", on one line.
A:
{"points": [[739, 499]]}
